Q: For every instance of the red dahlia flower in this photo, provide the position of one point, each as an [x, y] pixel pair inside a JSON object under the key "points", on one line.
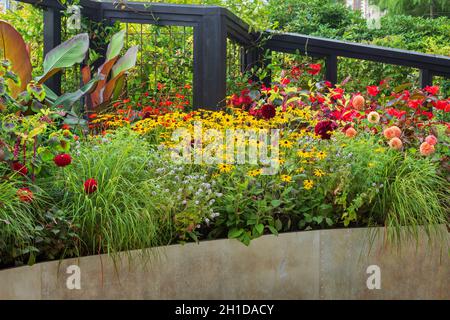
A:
{"points": [[268, 111], [432, 90], [314, 69], [324, 129], [20, 168], [25, 195], [373, 90], [62, 160], [90, 186], [442, 105]]}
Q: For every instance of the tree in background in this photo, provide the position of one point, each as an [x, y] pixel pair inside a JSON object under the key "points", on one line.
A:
{"points": [[424, 8]]}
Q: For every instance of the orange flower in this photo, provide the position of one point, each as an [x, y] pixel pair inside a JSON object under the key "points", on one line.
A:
{"points": [[396, 143], [25, 195], [426, 149], [358, 102], [397, 132], [388, 133], [392, 132], [350, 132], [431, 139]]}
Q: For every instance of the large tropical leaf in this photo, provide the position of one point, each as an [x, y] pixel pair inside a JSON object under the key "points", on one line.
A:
{"points": [[103, 73], [50, 96], [13, 48], [115, 45], [65, 55], [125, 63], [68, 99]]}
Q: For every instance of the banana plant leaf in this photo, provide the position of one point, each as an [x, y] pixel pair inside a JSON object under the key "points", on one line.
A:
{"points": [[65, 55], [14, 49], [68, 99], [125, 63], [115, 45]]}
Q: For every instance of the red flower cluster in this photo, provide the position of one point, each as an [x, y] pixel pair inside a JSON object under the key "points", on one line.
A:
{"points": [[373, 90], [62, 160], [432, 89], [396, 113], [268, 111], [25, 195], [443, 105], [324, 129], [314, 69], [242, 100], [20, 168], [90, 186]]}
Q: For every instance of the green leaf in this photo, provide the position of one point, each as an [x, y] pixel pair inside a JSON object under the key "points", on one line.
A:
{"points": [[65, 55], [45, 154], [115, 45], [318, 219], [73, 119], [275, 202], [235, 233], [245, 239], [126, 62], [329, 221], [259, 228], [278, 224], [49, 94], [68, 99], [273, 230]]}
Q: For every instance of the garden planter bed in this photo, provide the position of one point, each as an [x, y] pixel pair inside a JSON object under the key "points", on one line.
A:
{"points": [[326, 264]]}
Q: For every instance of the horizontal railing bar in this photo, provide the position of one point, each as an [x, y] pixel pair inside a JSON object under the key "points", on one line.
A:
{"points": [[57, 5], [289, 42], [159, 19], [159, 8]]}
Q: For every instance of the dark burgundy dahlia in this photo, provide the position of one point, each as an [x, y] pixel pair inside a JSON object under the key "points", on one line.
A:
{"points": [[268, 111], [324, 128]]}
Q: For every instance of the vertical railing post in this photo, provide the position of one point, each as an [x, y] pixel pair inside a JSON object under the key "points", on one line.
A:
{"points": [[210, 59], [52, 38], [426, 78], [331, 73], [253, 57]]}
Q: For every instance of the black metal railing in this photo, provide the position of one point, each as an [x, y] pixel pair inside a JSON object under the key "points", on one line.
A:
{"points": [[214, 26]]}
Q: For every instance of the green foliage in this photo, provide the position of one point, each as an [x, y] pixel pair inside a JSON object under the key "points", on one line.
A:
{"points": [[333, 20], [431, 8], [28, 231]]}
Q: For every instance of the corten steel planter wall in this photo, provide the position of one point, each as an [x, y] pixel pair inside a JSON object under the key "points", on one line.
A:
{"points": [[329, 264]]}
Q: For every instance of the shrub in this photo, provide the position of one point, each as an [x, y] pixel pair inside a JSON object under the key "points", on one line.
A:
{"points": [[334, 20]]}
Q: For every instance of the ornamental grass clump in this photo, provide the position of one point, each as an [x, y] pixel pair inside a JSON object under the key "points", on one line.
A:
{"points": [[106, 192]]}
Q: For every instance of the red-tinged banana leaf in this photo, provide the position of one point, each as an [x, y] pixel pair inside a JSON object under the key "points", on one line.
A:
{"points": [[103, 73], [65, 55], [86, 74], [14, 49], [112, 54], [125, 63], [119, 88]]}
